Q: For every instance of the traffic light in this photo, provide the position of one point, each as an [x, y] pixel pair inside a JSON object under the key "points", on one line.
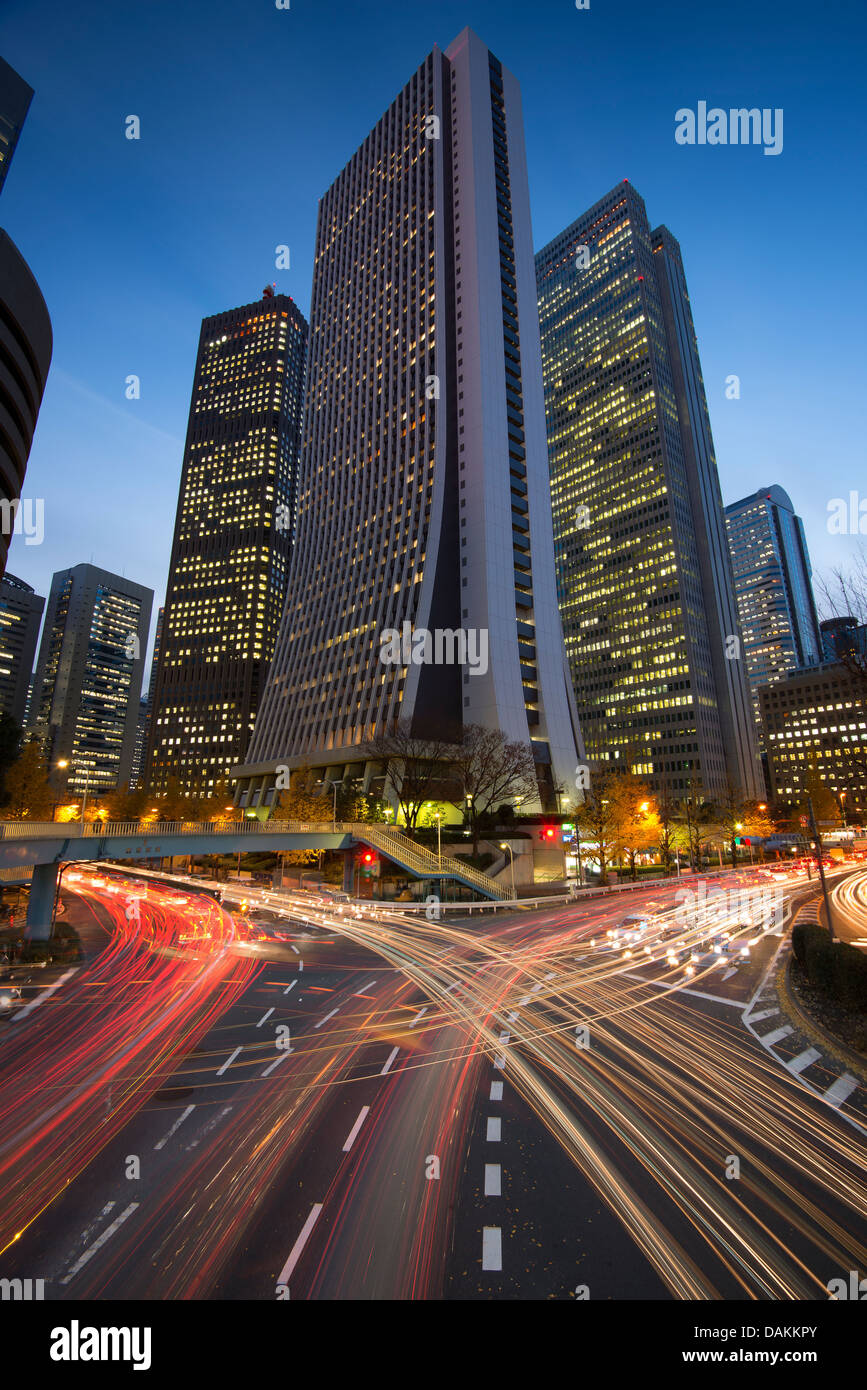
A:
{"points": [[369, 861], [549, 834]]}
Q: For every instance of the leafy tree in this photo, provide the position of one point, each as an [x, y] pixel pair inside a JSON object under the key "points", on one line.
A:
{"points": [[636, 819], [10, 744], [300, 800], [28, 792], [600, 818], [123, 804]]}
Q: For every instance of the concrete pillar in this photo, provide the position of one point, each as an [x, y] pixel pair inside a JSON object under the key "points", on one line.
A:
{"points": [[349, 871], [40, 908]]}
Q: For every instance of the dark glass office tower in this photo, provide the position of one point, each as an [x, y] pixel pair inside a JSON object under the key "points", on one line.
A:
{"points": [[425, 495], [25, 340], [644, 575], [232, 541], [20, 619], [773, 588], [15, 99], [89, 677]]}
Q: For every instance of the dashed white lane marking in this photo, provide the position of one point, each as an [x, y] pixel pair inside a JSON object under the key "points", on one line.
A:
{"points": [[326, 1018], [295, 1252], [292, 986], [500, 1063], [770, 1039], [363, 988], [421, 1013], [99, 1242], [391, 1056], [295, 949], [496, 1090], [552, 975], [229, 1060], [300, 965], [212, 1123], [494, 1131], [512, 1016], [42, 996], [492, 1248], [284, 1053], [527, 999], [351, 1136], [177, 1124], [264, 1018], [803, 1060], [535, 989], [766, 1013], [493, 1180], [841, 1089], [504, 1038]]}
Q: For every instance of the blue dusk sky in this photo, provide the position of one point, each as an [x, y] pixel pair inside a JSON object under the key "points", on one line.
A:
{"points": [[247, 114]]}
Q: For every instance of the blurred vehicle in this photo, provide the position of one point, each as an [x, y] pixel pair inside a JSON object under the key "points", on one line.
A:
{"points": [[10, 997]]}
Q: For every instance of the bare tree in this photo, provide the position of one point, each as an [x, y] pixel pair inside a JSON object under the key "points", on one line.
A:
{"points": [[600, 818], [487, 770], [414, 767]]}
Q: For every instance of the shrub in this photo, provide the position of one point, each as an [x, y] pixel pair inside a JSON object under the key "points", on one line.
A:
{"points": [[803, 934]]}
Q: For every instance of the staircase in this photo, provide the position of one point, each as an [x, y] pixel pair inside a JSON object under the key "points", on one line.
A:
{"points": [[424, 863]]}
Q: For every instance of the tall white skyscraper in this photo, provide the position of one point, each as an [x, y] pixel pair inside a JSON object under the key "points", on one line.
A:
{"points": [[424, 497]]}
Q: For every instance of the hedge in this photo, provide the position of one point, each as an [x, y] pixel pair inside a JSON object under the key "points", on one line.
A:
{"points": [[836, 968]]}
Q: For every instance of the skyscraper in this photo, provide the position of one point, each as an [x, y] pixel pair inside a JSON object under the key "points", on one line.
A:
{"points": [[232, 541], [424, 497], [25, 343], [15, 99], [20, 617], [89, 676], [644, 575], [772, 578]]}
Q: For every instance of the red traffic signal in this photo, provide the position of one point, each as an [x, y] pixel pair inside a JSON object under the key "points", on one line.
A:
{"points": [[368, 857], [549, 833]]}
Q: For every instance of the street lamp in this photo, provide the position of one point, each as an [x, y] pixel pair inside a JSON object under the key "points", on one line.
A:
{"points": [[438, 817], [504, 845]]}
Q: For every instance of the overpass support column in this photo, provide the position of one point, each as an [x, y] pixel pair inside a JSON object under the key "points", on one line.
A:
{"points": [[40, 908], [349, 871]]}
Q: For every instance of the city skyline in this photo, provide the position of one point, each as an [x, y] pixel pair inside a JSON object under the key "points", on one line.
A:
{"points": [[743, 315]]}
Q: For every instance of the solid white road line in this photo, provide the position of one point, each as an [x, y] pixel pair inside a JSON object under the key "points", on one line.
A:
{"points": [[98, 1244], [295, 1252], [770, 1039], [177, 1124], [803, 1060], [841, 1089], [350, 1138], [326, 1018], [492, 1248], [229, 1060], [496, 1090], [493, 1180], [391, 1056], [42, 996], [264, 1018], [494, 1134]]}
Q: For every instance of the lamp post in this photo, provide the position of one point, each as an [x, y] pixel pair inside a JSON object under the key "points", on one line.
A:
{"points": [[438, 817], [61, 763], [507, 847]]}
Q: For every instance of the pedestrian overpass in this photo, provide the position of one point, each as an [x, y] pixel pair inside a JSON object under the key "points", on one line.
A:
{"points": [[38, 850]]}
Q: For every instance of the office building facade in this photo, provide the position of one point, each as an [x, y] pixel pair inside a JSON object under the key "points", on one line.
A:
{"points": [[424, 504], [773, 588], [232, 542], [20, 618], [15, 98], [815, 727], [88, 679], [644, 576]]}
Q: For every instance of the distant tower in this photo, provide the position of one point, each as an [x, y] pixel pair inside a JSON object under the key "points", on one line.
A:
{"points": [[232, 541], [644, 575], [772, 577], [425, 496], [20, 617], [89, 676]]}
